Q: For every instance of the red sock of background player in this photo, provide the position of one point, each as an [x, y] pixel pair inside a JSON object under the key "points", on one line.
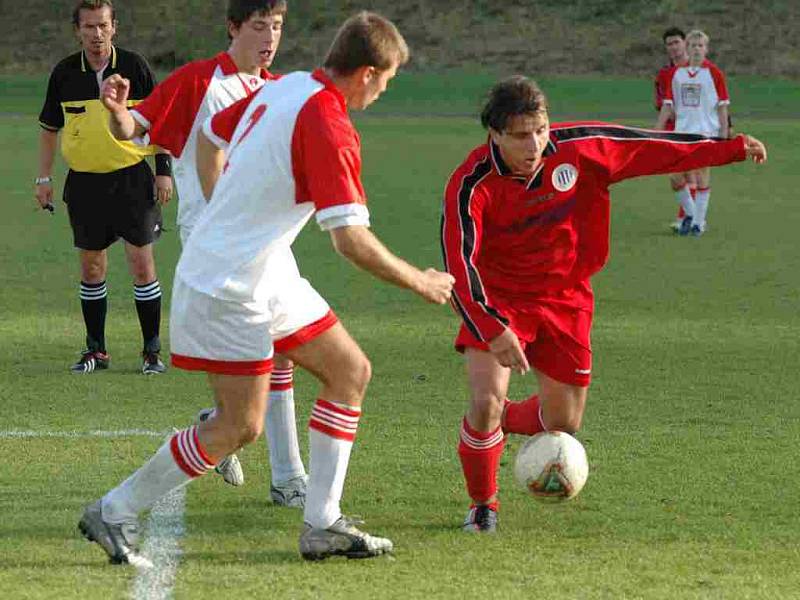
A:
{"points": [[523, 417], [480, 453]]}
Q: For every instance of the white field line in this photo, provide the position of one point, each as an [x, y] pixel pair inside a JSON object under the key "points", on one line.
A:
{"points": [[164, 528], [162, 547], [81, 434]]}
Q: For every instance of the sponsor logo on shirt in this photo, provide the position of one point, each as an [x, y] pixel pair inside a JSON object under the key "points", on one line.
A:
{"points": [[565, 177], [583, 371]]}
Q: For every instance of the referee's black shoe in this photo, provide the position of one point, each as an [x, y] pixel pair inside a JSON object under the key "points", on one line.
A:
{"points": [[90, 361], [152, 364]]}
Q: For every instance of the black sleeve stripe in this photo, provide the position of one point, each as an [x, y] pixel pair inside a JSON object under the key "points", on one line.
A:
{"points": [[571, 134], [468, 184]]}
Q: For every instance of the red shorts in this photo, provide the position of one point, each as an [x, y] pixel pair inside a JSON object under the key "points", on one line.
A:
{"points": [[556, 341]]}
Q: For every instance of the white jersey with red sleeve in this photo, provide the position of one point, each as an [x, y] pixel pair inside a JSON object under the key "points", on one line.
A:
{"points": [[176, 109], [293, 152], [696, 93]]}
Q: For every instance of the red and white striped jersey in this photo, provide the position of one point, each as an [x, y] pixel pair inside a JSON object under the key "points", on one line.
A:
{"points": [[696, 93], [292, 151], [519, 243], [176, 109]]}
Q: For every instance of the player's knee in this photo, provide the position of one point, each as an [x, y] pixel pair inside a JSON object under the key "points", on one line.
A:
{"points": [[249, 431], [486, 411], [360, 374]]}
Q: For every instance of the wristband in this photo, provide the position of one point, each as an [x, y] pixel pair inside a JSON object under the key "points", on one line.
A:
{"points": [[163, 164], [43, 180]]}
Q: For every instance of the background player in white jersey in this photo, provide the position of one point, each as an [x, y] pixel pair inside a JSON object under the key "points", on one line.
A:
{"points": [[174, 114], [294, 153], [698, 101], [674, 40]]}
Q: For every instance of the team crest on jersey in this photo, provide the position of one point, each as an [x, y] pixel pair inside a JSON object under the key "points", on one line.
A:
{"points": [[564, 177]]}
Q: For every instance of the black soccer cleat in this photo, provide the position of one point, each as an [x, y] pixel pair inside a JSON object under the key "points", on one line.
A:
{"points": [[90, 361], [152, 365], [481, 519]]}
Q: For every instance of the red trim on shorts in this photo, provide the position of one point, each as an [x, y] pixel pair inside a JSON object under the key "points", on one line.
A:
{"points": [[223, 367], [306, 334]]}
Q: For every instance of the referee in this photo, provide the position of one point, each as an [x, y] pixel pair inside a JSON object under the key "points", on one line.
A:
{"points": [[109, 190]]}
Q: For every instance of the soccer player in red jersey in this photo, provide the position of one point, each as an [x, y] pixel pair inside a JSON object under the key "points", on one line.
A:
{"points": [[173, 115], [674, 40], [525, 225]]}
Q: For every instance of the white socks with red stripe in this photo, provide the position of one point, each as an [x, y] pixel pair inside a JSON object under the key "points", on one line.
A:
{"points": [[684, 197], [280, 427], [332, 430], [176, 463], [701, 207]]}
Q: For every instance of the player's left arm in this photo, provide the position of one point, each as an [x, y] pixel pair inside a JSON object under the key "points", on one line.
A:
{"points": [[210, 163], [626, 152]]}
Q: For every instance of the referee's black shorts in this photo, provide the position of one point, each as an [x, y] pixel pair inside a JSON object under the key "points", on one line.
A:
{"points": [[104, 207]]}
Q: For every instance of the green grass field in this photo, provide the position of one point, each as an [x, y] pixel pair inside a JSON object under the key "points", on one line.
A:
{"points": [[691, 429]]}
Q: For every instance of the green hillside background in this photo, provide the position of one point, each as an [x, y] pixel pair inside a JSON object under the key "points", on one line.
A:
{"points": [[572, 37]]}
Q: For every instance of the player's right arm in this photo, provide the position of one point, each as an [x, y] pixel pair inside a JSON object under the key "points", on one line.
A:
{"points": [[114, 95], [666, 114], [51, 120], [462, 236]]}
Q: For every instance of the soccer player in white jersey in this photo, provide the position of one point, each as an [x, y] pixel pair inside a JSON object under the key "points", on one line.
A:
{"points": [[173, 114], [698, 101], [293, 154]]}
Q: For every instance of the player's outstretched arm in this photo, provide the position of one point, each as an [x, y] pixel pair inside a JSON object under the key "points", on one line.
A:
{"points": [[755, 149], [114, 96], [360, 246]]}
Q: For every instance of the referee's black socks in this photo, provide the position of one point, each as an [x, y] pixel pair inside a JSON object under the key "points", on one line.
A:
{"points": [[94, 305], [148, 307]]}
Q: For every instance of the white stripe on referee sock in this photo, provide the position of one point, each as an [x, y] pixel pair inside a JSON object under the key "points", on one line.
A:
{"points": [[164, 530]]}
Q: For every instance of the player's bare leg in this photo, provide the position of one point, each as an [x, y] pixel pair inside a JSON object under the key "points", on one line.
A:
{"points": [[482, 439], [562, 404], [147, 295], [94, 306], [344, 371], [188, 454]]}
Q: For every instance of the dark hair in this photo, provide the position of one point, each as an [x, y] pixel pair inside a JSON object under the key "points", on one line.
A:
{"points": [[240, 11], [672, 32], [516, 95], [366, 40], [90, 5]]}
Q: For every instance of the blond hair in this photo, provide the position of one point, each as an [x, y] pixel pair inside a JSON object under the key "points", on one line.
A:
{"points": [[696, 34]]}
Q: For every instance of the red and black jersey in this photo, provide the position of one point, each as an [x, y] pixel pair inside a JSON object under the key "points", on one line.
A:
{"points": [[517, 242]]}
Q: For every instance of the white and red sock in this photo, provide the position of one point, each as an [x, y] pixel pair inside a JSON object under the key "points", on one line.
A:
{"points": [[480, 453], [524, 417], [701, 207], [280, 426], [331, 433], [180, 460], [684, 197]]}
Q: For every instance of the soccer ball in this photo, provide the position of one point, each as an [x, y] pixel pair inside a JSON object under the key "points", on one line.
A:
{"points": [[552, 466]]}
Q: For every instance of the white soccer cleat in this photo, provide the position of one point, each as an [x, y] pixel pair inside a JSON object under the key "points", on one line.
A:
{"points": [[117, 540], [229, 467], [342, 538]]}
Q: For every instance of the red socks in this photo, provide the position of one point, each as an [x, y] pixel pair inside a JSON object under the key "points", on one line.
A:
{"points": [[480, 454], [524, 417]]}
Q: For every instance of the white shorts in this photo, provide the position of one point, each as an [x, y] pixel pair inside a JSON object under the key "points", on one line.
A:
{"points": [[234, 338]]}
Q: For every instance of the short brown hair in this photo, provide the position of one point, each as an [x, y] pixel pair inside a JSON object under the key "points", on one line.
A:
{"points": [[240, 11], [90, 5], [366, 40], [516, 95]]}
